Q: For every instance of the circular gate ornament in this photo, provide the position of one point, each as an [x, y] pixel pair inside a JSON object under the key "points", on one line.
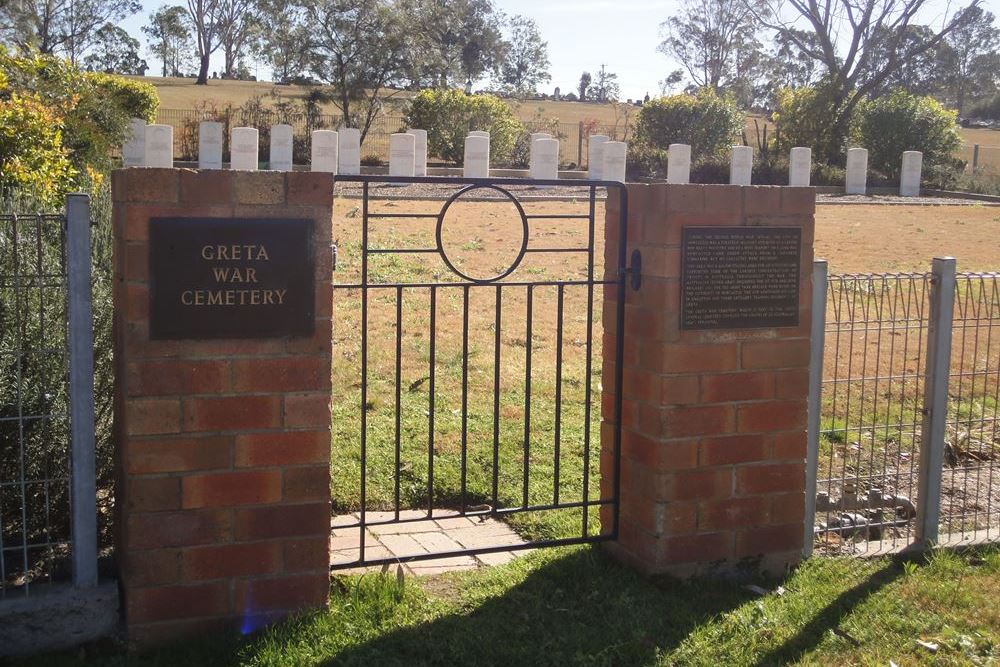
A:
{"points": [[523, 248]]}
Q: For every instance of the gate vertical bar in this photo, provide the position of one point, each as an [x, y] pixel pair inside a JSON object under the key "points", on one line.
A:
{"points": [[818, 335], [935, 409], [620, 351], [81, 403]]}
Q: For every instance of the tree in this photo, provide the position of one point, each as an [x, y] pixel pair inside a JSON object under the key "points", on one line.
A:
{"points": [[238, 27], [360, 49], [169, 37], [115, 52], [204, 15], [526, 62], [606, 87], [847, 35], [285, 44], [67, 27], [452, 42], [584, 84], [969, 58], [715, 41]]}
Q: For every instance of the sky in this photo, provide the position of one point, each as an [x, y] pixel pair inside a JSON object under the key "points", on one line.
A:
{"points": [[582, 34]]}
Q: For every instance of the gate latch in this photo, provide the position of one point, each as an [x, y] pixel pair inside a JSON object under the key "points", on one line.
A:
{"points": [[635, 270]]}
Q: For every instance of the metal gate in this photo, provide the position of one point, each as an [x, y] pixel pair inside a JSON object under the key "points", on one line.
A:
{"points": [[467, 350]]}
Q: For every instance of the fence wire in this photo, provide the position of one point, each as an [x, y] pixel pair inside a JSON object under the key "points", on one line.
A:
{"points": [[34, 403]]}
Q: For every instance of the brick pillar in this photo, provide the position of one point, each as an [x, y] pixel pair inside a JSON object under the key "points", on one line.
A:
{"points": [[714, 421], [223, 446]]}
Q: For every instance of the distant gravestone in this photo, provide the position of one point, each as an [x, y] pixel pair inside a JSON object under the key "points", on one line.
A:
{"points": [[857, 171], [210, 145], [741, 165], [349, 152], [281, 148], [419, 152], [614, 161], [595, 155], [159, 141], [324, 151], [134, 148], [909, 177], [479, 133], [477, 157], [402, 148], [679, 163], [799, 166], [243, 148], [546, 162]]}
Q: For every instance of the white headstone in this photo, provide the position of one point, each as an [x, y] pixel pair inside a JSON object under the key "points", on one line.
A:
{"points": [[134, 148], [546, 159], [210, 145], [477, 157], [419, 152], [159, 146], [243, 148], [679, 163], [402, 147], [614, 161], [741, 165], [479, 133], [281, 148], [532, 138], [540, 135], [909, 177], [324, 151], [595, 155], [857, 171], [799, 165], [349, 153]]}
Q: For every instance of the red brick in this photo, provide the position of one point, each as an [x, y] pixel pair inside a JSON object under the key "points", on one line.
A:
{"points": [[232, 560], [152, 416], [771, 416], [143, 636], [172, 529], [687, 198], [282, 374], [733, 513], [307, 554], [232, 413], [700, 358], [788, 507], [724, 204], [732, 449], [771, 478], [792, 384], [136, 265], [703, 548], [282, 448], [152, 567], [680, 518], [791, 445], [736, 387], [680, 390], [775, 354], [136, 302], [258, 187], [798, 200], [661, 262], [153, 494], [699, 484], [209, 187], [307, 410], [148, 185], [308, 483], [769, 539], [177, 376], [314, 188], [261, 523], [226, 489], [292, 592], [164, 603], [685, 422], [179, 454]]}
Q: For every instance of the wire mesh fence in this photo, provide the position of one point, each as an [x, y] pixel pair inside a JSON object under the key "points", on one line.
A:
{"points": [[35, 524], [873, 412]]}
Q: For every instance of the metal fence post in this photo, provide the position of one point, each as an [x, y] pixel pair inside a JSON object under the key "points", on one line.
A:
{"points": [[935, 413], [816, 346], [81, 380], [975, 158]]}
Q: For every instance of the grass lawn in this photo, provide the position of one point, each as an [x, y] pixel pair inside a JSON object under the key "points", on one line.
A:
{"points": [[574, 606]]}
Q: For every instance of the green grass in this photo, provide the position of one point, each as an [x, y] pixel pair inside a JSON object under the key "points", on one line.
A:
{"points": [[575, 606]]}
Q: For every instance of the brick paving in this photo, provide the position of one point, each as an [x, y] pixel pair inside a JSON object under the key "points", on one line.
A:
{"points": [[441, 533]]}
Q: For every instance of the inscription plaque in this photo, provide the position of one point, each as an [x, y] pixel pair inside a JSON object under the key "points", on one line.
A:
{"points": [[230, 278], [740, 277]]}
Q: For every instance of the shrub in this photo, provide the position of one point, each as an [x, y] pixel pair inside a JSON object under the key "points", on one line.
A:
{"points": [[136, 99], [645, 162], [706, 121], [32, 157], [988, 109], [804, 118], [449, 116], [891, 124]]}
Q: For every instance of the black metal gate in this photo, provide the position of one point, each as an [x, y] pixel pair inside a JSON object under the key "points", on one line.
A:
{"points": [[465, 382]]}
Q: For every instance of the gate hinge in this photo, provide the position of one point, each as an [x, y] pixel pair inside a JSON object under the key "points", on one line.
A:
{"points": [[635, 270], [333, 253]]}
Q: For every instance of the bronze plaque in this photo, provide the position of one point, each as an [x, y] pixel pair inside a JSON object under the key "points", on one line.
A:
{"points": [[230, 278], [740, 277]]}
